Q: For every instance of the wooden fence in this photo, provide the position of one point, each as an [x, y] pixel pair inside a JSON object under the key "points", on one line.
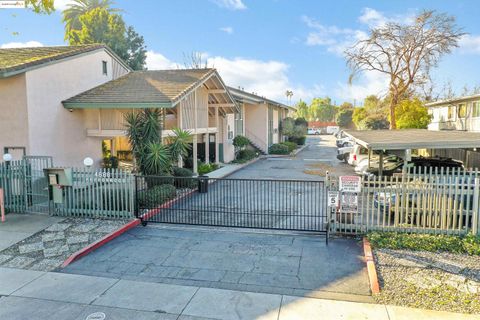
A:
{"points": [[440, 202], [99, 193]]}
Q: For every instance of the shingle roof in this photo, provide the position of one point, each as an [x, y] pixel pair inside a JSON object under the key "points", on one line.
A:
{"points": [[242, 95], [161, 87], [16, 60]]}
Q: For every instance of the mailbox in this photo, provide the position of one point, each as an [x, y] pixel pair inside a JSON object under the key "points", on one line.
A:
{"points": [[57, 179]]}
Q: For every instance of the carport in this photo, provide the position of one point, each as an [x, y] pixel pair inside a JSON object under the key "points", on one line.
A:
{"points": [[402, 142]]}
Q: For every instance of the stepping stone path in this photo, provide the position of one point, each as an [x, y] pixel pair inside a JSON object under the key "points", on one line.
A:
{"points": [[48, 249]]}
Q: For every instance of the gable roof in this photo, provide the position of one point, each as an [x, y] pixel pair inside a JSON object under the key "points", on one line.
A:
{"points": [[18, 60], [155, 88], [252, 98], [453, 100]]}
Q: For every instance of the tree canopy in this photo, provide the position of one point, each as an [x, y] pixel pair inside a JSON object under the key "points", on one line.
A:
{"points": [[98, 25], [412, 114], [405, 52]]}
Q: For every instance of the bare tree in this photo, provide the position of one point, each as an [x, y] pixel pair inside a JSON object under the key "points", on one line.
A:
{"points": [[405, 52], [195, 60]]}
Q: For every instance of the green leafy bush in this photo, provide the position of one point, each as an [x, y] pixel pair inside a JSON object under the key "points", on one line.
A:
{"points": [[278, 148], [183, 180], [156, 196], [241, 141], [468, 244], [204, 168], [290, 145], [110, 162], [245, 156], [298, 140]]}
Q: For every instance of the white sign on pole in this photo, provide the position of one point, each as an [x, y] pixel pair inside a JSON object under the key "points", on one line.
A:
{"points": [[333, 199], [350, 184], [349, 202]]}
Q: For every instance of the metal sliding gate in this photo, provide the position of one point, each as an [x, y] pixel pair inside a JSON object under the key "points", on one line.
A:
{"points": [[242, 203]]}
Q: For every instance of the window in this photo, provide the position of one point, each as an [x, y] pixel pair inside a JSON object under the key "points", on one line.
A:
{"points": [[476, 108], [104, 67], [451, 112], [462, 110]]}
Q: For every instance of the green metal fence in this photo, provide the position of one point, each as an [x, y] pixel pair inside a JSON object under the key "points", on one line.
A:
{"points": [[12, 181], [98, 193]]}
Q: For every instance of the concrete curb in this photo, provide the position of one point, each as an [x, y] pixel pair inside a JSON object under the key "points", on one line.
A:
{"points": [[97, 244], [372, 271]]}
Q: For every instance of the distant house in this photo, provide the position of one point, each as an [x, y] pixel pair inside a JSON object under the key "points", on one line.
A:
{"points": [[461, 114], [456, 114], [259, 118]]}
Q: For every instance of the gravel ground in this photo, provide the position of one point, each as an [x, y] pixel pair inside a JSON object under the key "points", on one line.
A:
{"points": [[437, 281], [49, 248]]}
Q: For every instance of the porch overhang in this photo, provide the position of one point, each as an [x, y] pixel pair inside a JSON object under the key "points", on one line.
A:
{"points": [[117, 105]]}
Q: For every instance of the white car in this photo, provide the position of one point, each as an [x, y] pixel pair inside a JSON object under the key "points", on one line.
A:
{"points": [[344, 152], [362, 165], [343, 142], [332, 129], [313, 131], [358, 154]]}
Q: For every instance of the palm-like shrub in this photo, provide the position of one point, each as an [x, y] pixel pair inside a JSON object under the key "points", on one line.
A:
{"points": [[180, 144]]}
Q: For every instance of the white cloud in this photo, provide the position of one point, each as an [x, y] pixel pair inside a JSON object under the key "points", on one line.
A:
{"points": [[372, 18], [469, 44], [157, 61], [230, 4], [334, 38], [21, 44], [265, 78], [370, 83], [62, 4], [228, 30]]}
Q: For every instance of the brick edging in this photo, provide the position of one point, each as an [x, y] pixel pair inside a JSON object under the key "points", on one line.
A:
{"points": [[371, 270]]}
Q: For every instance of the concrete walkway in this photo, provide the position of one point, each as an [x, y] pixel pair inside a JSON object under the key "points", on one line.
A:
{"points": [[18, 227], [35, 295]]}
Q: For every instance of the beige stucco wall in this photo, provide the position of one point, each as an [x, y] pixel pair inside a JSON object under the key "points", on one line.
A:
{"points": [[256, 124], [54, 130], [276, 130], [13, 110]]}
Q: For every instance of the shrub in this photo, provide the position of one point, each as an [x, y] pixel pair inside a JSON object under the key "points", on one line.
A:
{"points": [[245, 155], [182, 172], [110, 162], [290, 145], [156, 196], [240, 141], [182, 181], [298, 140], [204, 168], [278, 148], [468, 244]]}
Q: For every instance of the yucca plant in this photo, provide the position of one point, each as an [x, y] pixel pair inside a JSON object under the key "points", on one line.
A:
{"points": [[144, 134], [180, 145]]}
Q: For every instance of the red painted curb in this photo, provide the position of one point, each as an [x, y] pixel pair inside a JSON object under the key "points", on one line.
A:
{"points": [[372, 271], [109, 237], [97, 244]]}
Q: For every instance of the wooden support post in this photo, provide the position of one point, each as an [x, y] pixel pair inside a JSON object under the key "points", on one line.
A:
{"points": [[217, 137], [195, 153], [207, 147], [380, 164]]}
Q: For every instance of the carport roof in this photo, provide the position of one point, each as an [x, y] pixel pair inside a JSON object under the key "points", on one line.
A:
{"points": [[415, 139]]}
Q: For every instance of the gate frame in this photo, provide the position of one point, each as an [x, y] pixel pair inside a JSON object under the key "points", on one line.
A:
{"points": [[326, 216]]}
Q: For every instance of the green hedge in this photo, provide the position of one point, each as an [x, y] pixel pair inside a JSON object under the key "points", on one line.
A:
{"points": [[278, 148], [467, 244], [184, 178], [156, 196], [245, 156], [204, 168], [290, 145]]}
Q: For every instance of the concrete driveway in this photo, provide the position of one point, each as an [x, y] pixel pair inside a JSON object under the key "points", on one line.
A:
{"points": [[226, 258], [319, 155]]}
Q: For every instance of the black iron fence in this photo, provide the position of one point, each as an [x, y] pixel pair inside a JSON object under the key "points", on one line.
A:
{"points": [[244, 203]]}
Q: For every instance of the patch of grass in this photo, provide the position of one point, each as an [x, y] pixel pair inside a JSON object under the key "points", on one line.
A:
{"points": [[468, 244]]}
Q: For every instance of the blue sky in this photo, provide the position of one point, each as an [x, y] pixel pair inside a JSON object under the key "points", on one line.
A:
{"points": [[269, 46]]}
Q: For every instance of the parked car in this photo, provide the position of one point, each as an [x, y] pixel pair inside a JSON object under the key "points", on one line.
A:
{"points": [[343, 142], [332, 129], [314, 131], [358, 153], [362, 165], [344, 152], [418, 164]]}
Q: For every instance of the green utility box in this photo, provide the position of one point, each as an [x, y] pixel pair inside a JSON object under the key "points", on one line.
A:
{"points": [[58, 178]]}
